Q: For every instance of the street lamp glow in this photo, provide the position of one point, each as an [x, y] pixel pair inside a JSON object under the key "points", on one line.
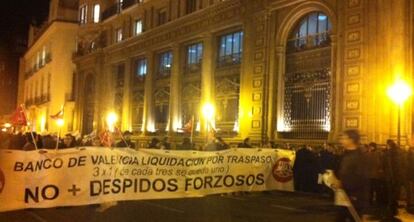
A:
{"points": [[60, 122], [208, 111], [111, 119], [399, 92], [7, 125]]}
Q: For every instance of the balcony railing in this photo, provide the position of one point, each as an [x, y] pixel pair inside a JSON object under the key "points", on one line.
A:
{"points": [[38, 100], [193, 68], [118, 7], [309, 42], [109, 12], [45, 98], [128, 3], [29, 102], [39, 66], [228, 60]]}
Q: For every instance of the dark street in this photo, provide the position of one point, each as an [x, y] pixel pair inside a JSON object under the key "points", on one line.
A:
{"points": [[270, 206]]}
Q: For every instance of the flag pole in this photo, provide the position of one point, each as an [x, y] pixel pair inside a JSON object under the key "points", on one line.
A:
{"points": [[192, 130], [58, 137], [31, 131], [122, 137]]}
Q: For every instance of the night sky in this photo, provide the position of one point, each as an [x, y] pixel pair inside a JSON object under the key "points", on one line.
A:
{"points": [[16, 15]]}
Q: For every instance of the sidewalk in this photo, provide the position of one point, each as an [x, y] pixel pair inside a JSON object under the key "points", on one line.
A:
{"points": [[402, 215]]}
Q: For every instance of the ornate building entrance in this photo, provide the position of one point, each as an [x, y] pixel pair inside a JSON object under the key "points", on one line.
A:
{"points": [[307, 81]]}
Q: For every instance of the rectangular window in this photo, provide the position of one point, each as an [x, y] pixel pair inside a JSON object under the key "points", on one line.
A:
{"points": [[38, 60], [96, 13], [118, 35], [138, 27], [165, 63], [141, 69], [120, 3], [83, 14], [44, 55], [161, 115], [191, 6], [231, 48], [162, 16], [194, 57]]}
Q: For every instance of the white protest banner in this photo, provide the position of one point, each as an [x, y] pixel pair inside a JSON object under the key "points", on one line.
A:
{"points": [[94, 175]]}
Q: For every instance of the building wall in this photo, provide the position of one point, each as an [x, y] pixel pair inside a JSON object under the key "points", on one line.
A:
{"points": [[368, 52], [46, 71]]}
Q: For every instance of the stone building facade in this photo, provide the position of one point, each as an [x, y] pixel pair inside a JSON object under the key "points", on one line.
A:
{"points": [[46, 68], [288, 70]]}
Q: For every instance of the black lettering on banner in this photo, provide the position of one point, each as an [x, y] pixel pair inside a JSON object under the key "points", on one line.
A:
{"points": [[46, 164], [225, 181], [260, 179], [48, 192], [127, 184], [106, 186], [187, 183], [172, 185], [207, 182], [250, 180], [95, 171], [143, 189], [93, 185], [54, 190], [29, 194], [240, 180], [76, 161], [157, 188], [116, 186], [18, 166], [217, 184]]}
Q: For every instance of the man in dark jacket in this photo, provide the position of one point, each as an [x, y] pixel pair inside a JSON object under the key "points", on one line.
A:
{"points": [[410, 181], [245, 144], [305, 170], [126, 141], [352, 173], [395, 176]]}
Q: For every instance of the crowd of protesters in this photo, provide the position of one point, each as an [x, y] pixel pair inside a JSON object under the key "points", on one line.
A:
{"points": [[374, 176]]}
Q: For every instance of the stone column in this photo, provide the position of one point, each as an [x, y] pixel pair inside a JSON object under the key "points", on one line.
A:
{"points": [[148, 114], [127, 101], [207, 76], [174, 108], [104, 95]]}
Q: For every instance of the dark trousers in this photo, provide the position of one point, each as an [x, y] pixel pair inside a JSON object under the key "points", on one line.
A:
{"points": [[377, 192], [393, 195]]}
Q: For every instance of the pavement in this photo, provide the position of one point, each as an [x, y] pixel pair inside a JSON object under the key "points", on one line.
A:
{"points": [[262, 206]]}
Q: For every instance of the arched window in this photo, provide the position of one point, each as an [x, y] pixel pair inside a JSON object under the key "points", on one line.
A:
{"points": [[307, 80], [312, 31]]}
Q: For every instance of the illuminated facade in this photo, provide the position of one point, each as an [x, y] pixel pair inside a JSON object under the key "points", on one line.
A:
{"points": [[291, 71], [46, 69]]}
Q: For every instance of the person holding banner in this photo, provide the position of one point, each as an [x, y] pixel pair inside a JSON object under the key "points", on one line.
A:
{"points": [[126, 141], [30, 143], [352, 174], [69, 141], [245, 144], [187, 144]]}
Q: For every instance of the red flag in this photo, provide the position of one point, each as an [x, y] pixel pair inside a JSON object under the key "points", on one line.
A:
{"points": [[188, 127], [58, 115], [106, 138], [19, 117], [117, 131]]}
